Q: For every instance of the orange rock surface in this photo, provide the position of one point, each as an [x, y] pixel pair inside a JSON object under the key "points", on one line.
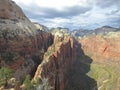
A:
{"points": [[61, 64], [102, 48]]}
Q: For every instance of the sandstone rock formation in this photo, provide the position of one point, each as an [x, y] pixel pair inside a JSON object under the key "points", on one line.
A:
{"points": [[65, 65], [12, 18], [102, 47]]}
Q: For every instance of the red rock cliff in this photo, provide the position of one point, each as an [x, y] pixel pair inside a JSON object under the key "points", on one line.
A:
{"points": [[102, 48], [64, 65]]}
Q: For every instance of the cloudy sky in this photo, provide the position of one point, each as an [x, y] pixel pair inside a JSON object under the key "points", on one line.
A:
{"points": [[73, 14]]}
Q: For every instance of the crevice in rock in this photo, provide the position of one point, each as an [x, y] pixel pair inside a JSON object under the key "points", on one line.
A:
{"points": [[37, 59], [104, 49], [56, 75]]}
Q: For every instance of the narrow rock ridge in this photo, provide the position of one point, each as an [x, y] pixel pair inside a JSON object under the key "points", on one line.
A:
{"points": [[53, 59], [61, 63]]}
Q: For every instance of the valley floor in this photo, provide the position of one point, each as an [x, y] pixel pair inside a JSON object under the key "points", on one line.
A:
{"points": [[107, 75]]}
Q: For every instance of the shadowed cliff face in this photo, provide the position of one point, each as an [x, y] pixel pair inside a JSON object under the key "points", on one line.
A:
{"points": [[24, 54], [66, 66], [33, 55]]}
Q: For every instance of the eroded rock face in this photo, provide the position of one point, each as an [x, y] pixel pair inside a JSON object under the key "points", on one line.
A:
{"points": [[13, 19], [102, 48], [65, 65], [21, 46], [9, 10]]}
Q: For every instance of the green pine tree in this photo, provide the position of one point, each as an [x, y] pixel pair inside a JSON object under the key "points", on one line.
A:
{"points": [[28, 83], [5, 75]]}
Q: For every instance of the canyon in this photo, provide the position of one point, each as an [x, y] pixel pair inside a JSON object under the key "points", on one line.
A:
{"points": [[69, 62]]}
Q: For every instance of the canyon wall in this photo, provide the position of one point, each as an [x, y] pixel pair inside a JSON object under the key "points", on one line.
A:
{"points": [[65, 65], [102, 47]]}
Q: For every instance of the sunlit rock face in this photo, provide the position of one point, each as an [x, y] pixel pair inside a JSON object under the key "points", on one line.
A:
{"points": [[21, 46], [101, 44], [65, 65], [12, 18], [41, 27], [102, 47]]}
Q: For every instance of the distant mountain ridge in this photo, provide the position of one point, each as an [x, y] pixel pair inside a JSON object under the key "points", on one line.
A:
{"points": [[78, 32], [102, 30]]}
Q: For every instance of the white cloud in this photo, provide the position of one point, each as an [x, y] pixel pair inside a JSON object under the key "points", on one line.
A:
{"points": [[58, 4], [55, 13], [24, 2]]}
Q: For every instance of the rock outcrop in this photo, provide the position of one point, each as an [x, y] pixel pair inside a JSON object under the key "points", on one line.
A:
{"points": [[12, 18], [41, 27], [65, 65], [21, 46]]}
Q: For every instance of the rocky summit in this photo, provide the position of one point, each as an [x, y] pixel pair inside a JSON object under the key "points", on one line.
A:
{"points": [[61, 63], [32, 57], [13, 19]]}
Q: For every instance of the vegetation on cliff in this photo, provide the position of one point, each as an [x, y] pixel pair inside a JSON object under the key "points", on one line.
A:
{"points": [[5, 75], [106, 76]]}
